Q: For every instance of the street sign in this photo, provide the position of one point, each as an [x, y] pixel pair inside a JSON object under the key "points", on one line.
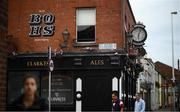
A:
{"points": [[108, 46], [51, 65]]}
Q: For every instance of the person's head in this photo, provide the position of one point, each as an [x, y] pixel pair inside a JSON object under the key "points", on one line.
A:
{"points": [[114, 95], [30, 85], [138, 96]]}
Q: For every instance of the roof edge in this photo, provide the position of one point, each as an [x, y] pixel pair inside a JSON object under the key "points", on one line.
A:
{"points": [[131, 11]]}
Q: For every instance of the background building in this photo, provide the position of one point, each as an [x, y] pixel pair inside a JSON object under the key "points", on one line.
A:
{"points": [[155, 83], [166, 85], [146, 82]]}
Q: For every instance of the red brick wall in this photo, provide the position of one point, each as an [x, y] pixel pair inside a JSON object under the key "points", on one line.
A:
{"points": [[166, 71], [5, 49], [2, 74], [109, 22], [3, 52]]}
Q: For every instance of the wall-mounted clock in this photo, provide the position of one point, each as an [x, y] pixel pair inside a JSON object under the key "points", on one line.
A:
{"points": [[139, 34]]}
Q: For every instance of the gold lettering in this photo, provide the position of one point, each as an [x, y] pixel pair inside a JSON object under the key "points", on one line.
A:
{"points": [[97, 62], [45, 63], [36, 63], [27, 63], [102, 62], [40, 63], [92, 62]]}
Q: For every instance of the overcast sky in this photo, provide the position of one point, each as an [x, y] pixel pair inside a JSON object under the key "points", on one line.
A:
{"points": [[156, 16]]}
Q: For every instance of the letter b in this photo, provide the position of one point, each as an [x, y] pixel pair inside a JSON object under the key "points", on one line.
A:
{"points": [[35, 19]]}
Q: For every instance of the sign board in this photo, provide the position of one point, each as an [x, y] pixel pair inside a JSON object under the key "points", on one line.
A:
{"points": [[108, 46], [51, 65], [61, 63], [61, 88]]}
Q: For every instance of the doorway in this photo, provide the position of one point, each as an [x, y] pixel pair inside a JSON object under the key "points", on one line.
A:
{"points": [[97, 89]]}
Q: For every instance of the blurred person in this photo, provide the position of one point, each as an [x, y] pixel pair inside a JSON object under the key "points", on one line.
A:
{"points": [[117, 104], [29, 100], [139, 104]]}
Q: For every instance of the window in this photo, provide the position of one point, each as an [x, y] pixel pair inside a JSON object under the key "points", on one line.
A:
{"points": [[85, 24], [61, 89]]}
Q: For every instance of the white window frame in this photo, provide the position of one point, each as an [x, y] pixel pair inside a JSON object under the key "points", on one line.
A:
{"points": [[95, 24]]}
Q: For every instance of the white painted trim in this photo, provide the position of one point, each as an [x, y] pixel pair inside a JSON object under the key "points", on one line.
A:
{"points": [[78, 106], [78, 88], [92, 24], [115, 84], [78, 84], [120, 86]]}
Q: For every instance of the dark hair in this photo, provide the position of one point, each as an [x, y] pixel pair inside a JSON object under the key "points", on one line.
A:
{"points": [[29, 75], [115, 93]]}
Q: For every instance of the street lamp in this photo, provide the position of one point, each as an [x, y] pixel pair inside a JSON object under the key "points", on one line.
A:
{"points": [[66, 35], [173, 77]]}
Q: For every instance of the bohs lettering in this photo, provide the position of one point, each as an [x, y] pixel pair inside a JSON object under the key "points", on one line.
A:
{"points": [[41, 25]]}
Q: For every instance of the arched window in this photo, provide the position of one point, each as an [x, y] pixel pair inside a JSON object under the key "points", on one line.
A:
{"points": [[78, 84], [115, 84]]}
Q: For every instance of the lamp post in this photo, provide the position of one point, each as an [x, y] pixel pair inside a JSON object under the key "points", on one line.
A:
{"points": [[51, 68], [173, 77]]}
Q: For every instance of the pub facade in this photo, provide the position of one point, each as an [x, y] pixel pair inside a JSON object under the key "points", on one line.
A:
{"points": [[91, 52]]}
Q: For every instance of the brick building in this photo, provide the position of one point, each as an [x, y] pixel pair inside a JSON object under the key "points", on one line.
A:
{"points": [[166, 85], [5, 49], [89, 44]]}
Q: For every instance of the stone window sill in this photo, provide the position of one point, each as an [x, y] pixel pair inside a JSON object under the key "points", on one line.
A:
{"points": [[85, 45]]}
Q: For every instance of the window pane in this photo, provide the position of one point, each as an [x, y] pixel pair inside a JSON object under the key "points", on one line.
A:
{"points": [[86, 16], [85, 21], [86, 33]]}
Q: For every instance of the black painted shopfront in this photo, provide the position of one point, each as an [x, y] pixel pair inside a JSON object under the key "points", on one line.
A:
{"points": [[78, 78]]}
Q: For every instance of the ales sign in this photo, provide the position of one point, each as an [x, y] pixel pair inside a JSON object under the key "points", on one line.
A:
{"points": [[41, 25]]}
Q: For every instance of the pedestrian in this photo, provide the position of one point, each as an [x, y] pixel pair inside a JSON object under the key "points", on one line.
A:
{"points": [[29, 100], [117, 104], [139, 104]]}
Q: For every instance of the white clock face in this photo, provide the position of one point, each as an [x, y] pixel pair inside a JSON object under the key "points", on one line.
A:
{"points": [[139, 34]]}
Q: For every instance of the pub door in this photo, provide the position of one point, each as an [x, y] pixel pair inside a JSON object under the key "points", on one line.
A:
{"points": [[97, 89]]}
